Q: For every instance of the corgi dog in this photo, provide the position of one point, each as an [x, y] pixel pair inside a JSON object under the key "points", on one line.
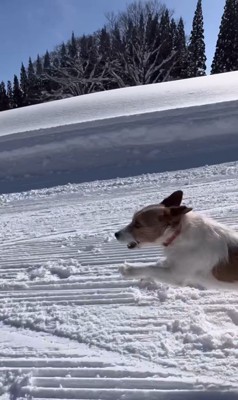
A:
{"points": [[199, 251]]}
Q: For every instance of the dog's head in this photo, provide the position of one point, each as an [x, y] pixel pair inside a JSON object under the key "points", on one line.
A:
{"points": [[150, 224]]}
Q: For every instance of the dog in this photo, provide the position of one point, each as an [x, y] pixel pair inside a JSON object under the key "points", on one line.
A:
{"points": [[199, 251]]}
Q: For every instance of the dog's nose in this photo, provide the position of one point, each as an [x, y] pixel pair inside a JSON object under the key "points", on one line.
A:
{"points": [[117, 234]]}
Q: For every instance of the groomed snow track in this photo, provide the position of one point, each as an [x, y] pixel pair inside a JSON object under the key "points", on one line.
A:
{"points": [[72, 328]]}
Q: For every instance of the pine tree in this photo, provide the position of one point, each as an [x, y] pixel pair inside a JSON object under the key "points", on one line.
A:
{"points": [[47, 72], [4, 100], [180, 70], [17, 93], [10, 93], [196, 48], [226, 54], [173, 32], [46, 62], [24, 85], [39, 68], [104, 44], [73, 47], [83, 48], [63, 55], [33, 84], [166, 41], [31, 70], [165, 34]]}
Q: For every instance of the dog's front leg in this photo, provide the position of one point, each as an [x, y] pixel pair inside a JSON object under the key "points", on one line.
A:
{"points": [[157, 272]]}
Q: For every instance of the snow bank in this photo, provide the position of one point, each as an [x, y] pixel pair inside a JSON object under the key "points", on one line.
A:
{"points": [[119, 133], [122, 102]]}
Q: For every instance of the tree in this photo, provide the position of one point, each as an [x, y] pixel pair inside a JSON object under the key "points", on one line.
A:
{"points": [[180, 70], [24, 85], [10, 93], [73, 47], [167, 52], [47, 72], [81, 75], [104, 44], [196, 47], [33, 84], [17, 94], [226, 54], [4, 100], [63, 55], [46, 62], [143, 37], [39, 68], [138, 46]]}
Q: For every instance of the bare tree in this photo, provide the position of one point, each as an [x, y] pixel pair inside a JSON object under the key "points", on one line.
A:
{"points": [[142, 53], [82, 74]]}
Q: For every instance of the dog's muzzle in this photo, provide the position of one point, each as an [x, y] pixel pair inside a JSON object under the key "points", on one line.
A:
{"points": [[123, 236]]}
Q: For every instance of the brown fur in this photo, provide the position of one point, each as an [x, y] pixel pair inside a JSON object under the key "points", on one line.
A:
{"points": [[227, 271], [149, 224]]}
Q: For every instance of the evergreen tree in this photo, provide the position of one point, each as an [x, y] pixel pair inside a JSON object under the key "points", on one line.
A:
{"points": [[173, 32], [226, 54], [33, 84], [115, 64], [24, 85], [104, 57], [104, 44], [180, 70], [63, 55], [39, 68], [4, 100], [46, 62], [73, 47], [39, 77], [10, 93], [196, 47], [47, 71], [165, 34], [165, 40], [17, 93], [31, 70]]}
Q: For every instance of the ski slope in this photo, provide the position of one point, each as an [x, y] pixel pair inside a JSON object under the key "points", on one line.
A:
{"points": [[70, 326], [120, 133], [73, 328]]}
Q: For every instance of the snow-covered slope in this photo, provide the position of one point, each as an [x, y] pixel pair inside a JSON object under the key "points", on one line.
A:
{"points": [[70, 326], [120, 133], [73, 328], [122, 102]]}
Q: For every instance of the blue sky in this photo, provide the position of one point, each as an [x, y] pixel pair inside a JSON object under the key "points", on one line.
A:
{"points": [[29, 27]]}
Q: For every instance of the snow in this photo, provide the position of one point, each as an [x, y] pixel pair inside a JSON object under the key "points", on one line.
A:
{"points": [[120, 103], [120, 133], [71, 327]]}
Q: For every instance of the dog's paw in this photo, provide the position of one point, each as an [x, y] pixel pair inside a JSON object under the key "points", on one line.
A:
{"points": [[127, 271]]}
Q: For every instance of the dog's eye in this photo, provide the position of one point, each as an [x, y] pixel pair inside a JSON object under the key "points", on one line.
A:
{"points": [[137, 225]]}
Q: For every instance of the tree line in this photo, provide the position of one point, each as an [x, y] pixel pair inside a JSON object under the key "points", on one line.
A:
{"points": [[142, 45]]}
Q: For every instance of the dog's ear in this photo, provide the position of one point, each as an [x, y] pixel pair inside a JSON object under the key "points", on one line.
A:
{"points": [[179, 211], [174, 200]]}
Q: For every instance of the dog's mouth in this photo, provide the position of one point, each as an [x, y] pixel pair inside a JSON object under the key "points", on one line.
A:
{"points": [[133, 245]]}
